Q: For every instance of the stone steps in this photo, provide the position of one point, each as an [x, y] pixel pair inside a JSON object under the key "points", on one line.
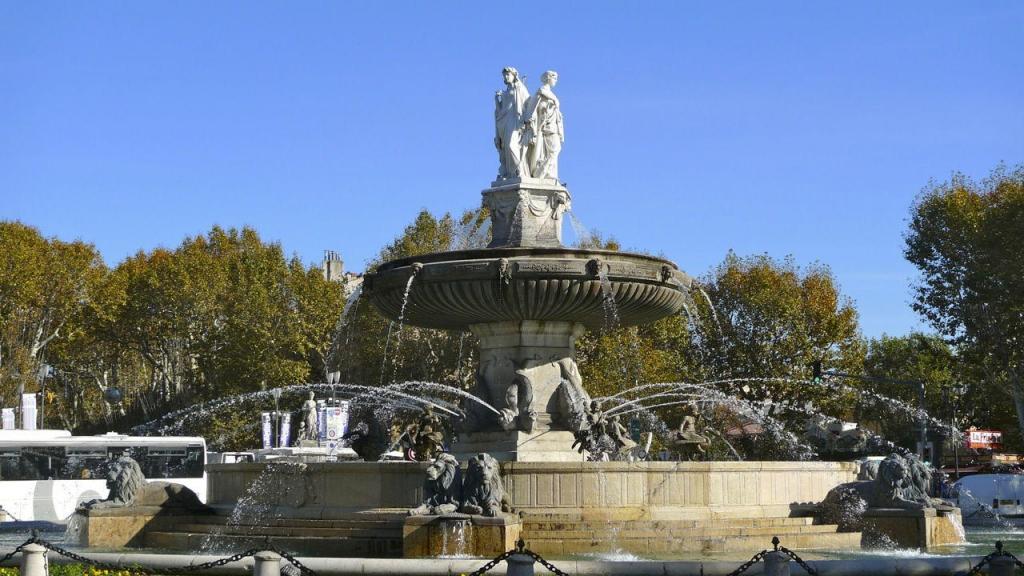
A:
{"points": [[765, 533], [547, 522], [713, 545], [368, 531], [333, 546], [367, 535], [565, 534]]}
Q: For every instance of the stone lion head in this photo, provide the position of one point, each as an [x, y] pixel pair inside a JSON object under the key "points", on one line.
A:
{"points": [[443, 470], [124, 479]]}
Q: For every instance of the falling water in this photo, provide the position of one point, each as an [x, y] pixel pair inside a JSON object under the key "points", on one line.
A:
{"points": [[711, 306], [398, 334], [455, 535], [583, 235], [608, 304], [279, 483], [350, 301]]}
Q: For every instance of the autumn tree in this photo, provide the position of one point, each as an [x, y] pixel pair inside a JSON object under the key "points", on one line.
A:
{"points": [[379, 351], [965, 238], [45, 285]]}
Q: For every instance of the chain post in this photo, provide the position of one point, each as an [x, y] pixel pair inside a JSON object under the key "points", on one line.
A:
{"points": [[33, 560], [776, 564], [266, 563], [520, 564], [1002, 566]]}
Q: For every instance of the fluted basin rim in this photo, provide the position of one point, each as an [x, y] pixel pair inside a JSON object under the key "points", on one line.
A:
{"points": [[459, 289], [494, 253]]}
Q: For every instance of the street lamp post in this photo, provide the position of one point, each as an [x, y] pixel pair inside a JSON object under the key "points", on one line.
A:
{"points": [[275, 433]]}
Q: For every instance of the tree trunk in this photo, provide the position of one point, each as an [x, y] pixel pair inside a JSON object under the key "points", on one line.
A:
{"points": [[1017, 393]]}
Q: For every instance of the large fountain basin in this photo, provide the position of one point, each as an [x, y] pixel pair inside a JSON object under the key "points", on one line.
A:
{"points": [[455, 290]]}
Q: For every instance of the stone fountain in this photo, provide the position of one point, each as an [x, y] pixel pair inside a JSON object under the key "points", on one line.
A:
{"points": [[526, 296]]}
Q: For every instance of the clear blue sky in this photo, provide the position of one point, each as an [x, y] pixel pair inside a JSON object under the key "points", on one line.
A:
{"points": [[691, 128]]}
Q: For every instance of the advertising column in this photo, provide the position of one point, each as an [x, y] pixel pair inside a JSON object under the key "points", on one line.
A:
{"points": [[28, 411]]}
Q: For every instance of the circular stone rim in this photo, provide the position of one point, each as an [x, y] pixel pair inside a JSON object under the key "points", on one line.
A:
{"points": [[475, 291]]}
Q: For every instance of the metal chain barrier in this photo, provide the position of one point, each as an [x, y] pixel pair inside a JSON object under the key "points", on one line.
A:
{"points": [[303, 569], [497, 560], [521, 549], [999, 553], [746, 565], [807, 567], [192, 568], [14, 552]]}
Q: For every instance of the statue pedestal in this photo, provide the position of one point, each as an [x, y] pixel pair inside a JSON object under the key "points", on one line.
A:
{"points": [[536, 355], [923, 528], [526, 212], [459, 535], [116, 527], [519, 446]]}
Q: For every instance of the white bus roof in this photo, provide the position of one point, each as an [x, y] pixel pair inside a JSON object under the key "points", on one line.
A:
{"points": [[17, 438], [33, 434]]}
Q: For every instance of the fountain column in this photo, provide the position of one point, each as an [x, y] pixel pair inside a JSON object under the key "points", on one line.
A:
{"points": [[537, 354]]}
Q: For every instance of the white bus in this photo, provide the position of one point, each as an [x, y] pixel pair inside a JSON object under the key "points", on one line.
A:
{"points": [[45, 474]]}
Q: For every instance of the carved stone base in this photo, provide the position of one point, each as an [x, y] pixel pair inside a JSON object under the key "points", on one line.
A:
{"points": [[117, 527], [517, 446], [913, 528], [459, 535], [527, 373], [526, 212]]}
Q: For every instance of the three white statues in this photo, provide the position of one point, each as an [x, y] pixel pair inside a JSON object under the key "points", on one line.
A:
{"points": [[528, 129]]}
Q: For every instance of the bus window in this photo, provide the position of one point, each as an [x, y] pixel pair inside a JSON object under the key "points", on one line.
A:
{"points": [[9, 462], [195, 462], [173, 462], [40, 463], [85, 464]]}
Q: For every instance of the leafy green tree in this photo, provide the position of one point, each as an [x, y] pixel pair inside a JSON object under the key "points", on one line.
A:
{"points": [[965, 239], [765, 318], [378, 351], [45, 285], [895, 365]]}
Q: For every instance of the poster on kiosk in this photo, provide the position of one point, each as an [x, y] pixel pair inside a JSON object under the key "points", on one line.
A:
{"points": [[28, 411], [8, 419], [336, 422]]}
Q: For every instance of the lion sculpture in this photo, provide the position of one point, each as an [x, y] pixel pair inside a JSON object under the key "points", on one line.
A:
{"points": [[442, 488], [128, 487], [483, 491], [901, 482]]}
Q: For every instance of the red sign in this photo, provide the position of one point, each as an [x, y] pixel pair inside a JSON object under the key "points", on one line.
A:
{"points": [[985, 439]]}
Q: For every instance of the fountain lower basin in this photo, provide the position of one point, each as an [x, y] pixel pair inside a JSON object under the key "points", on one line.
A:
{"points": [[455, 290]]}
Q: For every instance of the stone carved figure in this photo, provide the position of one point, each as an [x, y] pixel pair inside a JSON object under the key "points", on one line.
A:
{"points": [[518, 413], [901, 483], [606, 438], [423, 439], [128, 487], [309, 428], [368, 439], [442, 488], [572, 398], [544, 131], [509, 110], [687, 440], [483, 492]]}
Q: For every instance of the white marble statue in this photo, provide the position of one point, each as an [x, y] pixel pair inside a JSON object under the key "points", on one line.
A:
{"points": [[509, 107], [544, 130], [310, 419]]}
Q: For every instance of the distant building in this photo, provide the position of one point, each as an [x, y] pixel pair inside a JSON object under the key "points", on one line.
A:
{"points": [[333, 266], [334, 270]]}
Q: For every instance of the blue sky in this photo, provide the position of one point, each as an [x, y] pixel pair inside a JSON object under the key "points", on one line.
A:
{"points": [[691, 128]]}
